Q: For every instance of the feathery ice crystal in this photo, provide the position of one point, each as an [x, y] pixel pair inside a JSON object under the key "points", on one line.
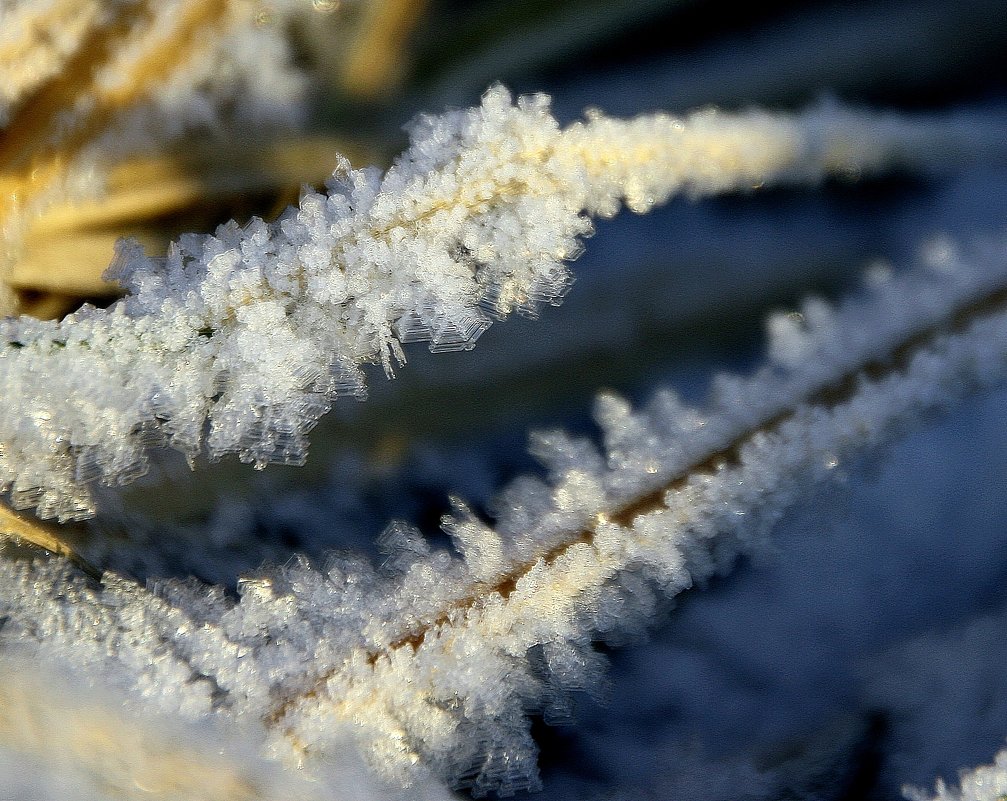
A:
{"points": [[436, 663], [238, 342]]}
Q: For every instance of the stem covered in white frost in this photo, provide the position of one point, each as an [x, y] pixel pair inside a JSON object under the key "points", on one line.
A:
{"points": [[238, 342], [435, 665]]}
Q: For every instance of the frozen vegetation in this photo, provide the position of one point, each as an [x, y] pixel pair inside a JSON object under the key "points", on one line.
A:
{"points": [[238, 342], [848, 477]]}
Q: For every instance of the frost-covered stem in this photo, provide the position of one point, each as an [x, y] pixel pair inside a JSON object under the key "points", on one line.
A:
{"points": [[238, 342], [672, 517], [822, 396], [435, 664]]}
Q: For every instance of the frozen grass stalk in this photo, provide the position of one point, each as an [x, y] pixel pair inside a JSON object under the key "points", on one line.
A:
{"points": [[434, 665], [237, 342]]}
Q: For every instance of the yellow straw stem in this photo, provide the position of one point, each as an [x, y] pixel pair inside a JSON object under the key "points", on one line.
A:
{"points": [[373, 62], [23, 529]]}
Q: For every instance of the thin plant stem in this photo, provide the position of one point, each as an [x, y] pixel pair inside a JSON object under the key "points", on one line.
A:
{"points": [[26, 530]]}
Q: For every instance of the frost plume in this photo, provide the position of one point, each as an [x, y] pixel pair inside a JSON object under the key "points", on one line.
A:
{"points": [[238, 342], [435, 662]]}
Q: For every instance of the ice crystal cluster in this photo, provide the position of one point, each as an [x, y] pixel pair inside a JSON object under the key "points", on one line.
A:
{"points": [[433, 663], [984, 783], [237, 342]]}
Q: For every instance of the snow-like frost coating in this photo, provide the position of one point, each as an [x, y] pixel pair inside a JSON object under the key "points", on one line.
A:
{"points": [[237, 342], [435, 662], [982, 783]]}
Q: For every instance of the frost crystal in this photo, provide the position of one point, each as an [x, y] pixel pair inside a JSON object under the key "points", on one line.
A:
{"points": [[984, 783], [435, 662], [238, 342]]}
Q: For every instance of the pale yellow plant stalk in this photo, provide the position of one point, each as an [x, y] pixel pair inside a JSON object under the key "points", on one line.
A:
{"points": [[122, 58], [374, 59], [51, 128], [68, 247], [63, 115], [21, 528]]}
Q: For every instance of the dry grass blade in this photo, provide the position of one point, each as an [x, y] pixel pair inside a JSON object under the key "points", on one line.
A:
{"points": [[374, 60], [36, 41], [23, 529], [158, 197], [41, 134]]}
